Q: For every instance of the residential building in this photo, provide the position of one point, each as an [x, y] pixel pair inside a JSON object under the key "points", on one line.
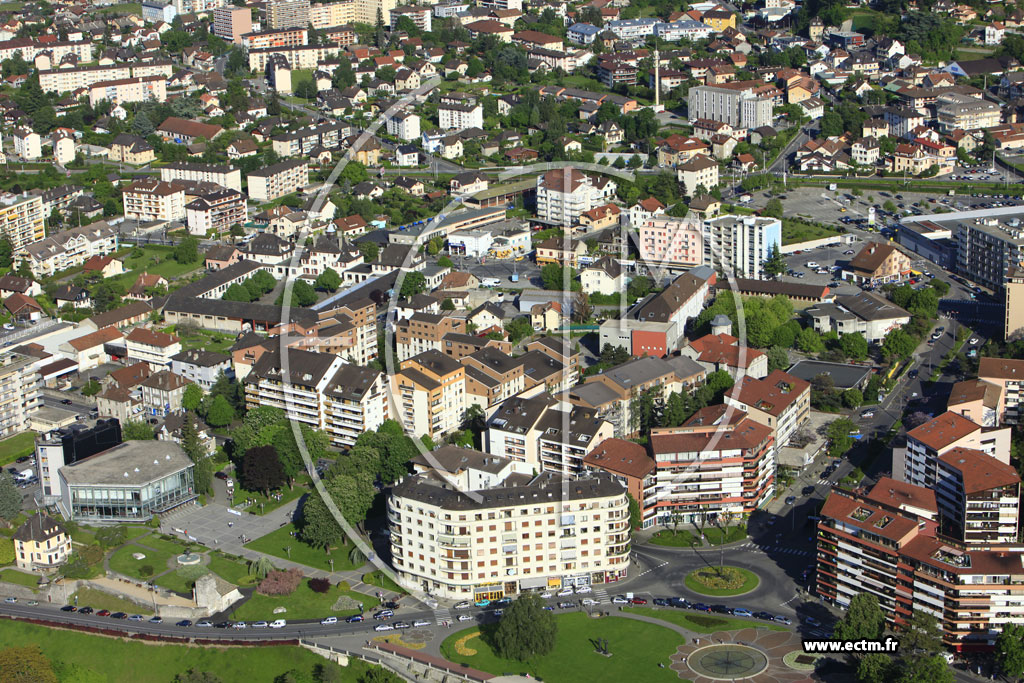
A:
{"points": [[877, 262], [629, 464], [22, 220], [41, 543], [455, 115], [287, 14], [19, 392], [404, 126], [734, 103], [215, 212], [978, 496], [331, 14], [131, 149], [124, 90], [866, 313], [299, 390], [429, 391], [130, 482], [563, 195], [739, 245], [979, 401], [1008, 375], [440, 533], [918, 463], [278, 180], [154, 200], [231, 23], [202, 367], [605, 277], [60, 250], [779, 401], [162, 393], [1013, 326], [671, 243], [988, 245], [492, 376], [722, 351], [227, 176], [27, 144], [424, 332], [718, 465], [356, 401], [419, 15], [185, 132], [698, 175]]}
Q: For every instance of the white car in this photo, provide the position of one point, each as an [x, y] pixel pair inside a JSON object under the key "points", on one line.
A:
{"points": [[811, 264], [584, 589], [465, 617], [589, 601], [204, 624], [383, 627], [546, 595], [278, 623], [619, 600], [462, 605], [328, 621], [974, 340], [420, 622], [564, 592]]}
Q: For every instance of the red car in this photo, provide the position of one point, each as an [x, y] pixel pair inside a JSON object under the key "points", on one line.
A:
{"points": [[638, 601], [103, 613]]}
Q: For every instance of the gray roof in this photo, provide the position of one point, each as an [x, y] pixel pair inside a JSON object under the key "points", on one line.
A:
{"points": [[132, 463], [545, 487], [870, 306], [845, 376], [305, 368], [238, 310], [594, 394], [452, 459], [518, 414], [639, 371], [352, 381], [201, 358]]}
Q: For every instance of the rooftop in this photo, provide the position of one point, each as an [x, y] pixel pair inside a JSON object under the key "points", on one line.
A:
{"points": [[132, 463]]}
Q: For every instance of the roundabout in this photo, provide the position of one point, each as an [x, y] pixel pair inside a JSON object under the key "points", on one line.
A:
{"points": [[727, 662], [722, 581]]}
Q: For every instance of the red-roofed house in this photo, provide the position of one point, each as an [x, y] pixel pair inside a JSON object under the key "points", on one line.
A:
{"points": [[88, 350], [24, 309], [723, 352], [154, 348], [917, 463], [780, 401], [630, 464], [107, 266]]}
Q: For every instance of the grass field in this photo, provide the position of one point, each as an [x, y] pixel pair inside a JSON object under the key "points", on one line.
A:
{"points": [[123, 8], [16, 447], [382, 580], [20, 578], [122, 561], [229, 570], [675, 539], [99, 600], [203, 339], [732, 534], [95, 658], [701, 623], [794, 231], [181, 580], [637, 648], [156, 260], [269, 504], [749, 578], [302, 604], [276, 542]]}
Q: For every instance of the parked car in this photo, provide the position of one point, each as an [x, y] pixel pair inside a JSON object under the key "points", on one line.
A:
{"points": [[420, 622], [790, 500], [103, 613], [721, 609], [742, 612], [811, 621], [463, 605], [701, 607], [118, 615], [184, 623], [278, 623], [387, 627], [783, 620], [402, 624], [662, 602], [204, 624], [86, 610], [239, 625], [159, 620], [566, 605], [136, 617], [584, 589], [260, 624], [327, 621], [619, 600], [354, 619], [564, 592], [639, 601], [465, 617], [764, 616], [68, 608]]}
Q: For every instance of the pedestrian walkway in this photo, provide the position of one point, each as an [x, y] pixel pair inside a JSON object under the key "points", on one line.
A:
{"points": [[443, 615]]}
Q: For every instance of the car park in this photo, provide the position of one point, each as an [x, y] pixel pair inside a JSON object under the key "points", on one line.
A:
{"points": [[387, 627]]}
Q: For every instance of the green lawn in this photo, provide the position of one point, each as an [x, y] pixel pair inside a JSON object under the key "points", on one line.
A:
{"points": [[162, 544], [749, 583], [123, 8], [275, 543], [95, 658], [302, 604], [17, 446], [156, 260], [269, 503], [382, 580], [635, 646], [675, 539], [20, 578], [100, 600], [701, 623], [229, 570], [122, 561], [732, 534], [794, 231], [181, 580]]}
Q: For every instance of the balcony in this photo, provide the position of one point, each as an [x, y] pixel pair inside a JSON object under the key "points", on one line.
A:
{"points": [[446, 540]]}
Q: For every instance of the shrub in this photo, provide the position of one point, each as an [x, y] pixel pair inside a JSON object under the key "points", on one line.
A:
{"points": [[319, 585], [281, 582], [146, 570], [343, 585]]}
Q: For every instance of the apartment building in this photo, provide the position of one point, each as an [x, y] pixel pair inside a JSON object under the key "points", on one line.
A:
{"points": [[278, 180], [154, 200], [1013, 324], [405, 126], [231, 23], [865, 313], [779, 401], [19, 392], [698, 175], [739, 245], [629, 464], [955, 111], [425, 332], [288, 14], [356, 401], [27, 144], [367, 11], [723, 351], [131, 149], [22, 220], [226, 176], [330, 14], [886, 543], [719, 463], [460, 115], [302, 141], [917, 463], [215, 212], [299, 391], [202, 367], [671, 243], [979, 401], [419, 15], [359, 320], [521, 534], [141, 89], [429, 392], [492, 376], [277, 38], [737, 104], [150, 347], [564, 194], [877, 262], [545, 433], [65, 249], [299, 57], [63, 146], [1003, 373], [71, 78], [41, 543], [979, 497], [57, 50], [988, 246]]}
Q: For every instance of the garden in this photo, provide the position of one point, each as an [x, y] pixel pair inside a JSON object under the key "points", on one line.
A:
{"points": [[637, 649], [701, 623], [17, 446], [311, 599], [722, 580], [283, 544]]}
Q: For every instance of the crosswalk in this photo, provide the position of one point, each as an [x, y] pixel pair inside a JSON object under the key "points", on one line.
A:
{"points": [[601, 595], [443, 615], [775, 549], [824, 482]]}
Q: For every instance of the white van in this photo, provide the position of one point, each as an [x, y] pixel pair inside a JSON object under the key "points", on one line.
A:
{"points": [[812, 264], [490, 282], [278, 623]]}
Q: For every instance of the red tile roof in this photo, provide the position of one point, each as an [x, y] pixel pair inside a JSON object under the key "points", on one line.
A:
{"points": [[978, 470], [943, 430]]}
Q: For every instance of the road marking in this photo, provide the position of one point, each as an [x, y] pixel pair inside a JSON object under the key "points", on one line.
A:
{"points": [[795, 596], [648, 571]]}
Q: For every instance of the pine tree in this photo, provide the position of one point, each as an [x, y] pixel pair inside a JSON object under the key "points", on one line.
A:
{"points": [[193, 447]]}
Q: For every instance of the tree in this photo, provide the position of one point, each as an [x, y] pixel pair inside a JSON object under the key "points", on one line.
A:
{"points": [[875, 668], [26, 664], [581, 307], [809, 341], [237, 292], [1010, 650], [262, 281], [187, 250], [863, 620], [854, 346], [303, 294], [202, 472], [329, 280], [193, 676], [414, 283], [636, 518], [260, 567], [444, 262], [10, 497], [518, 328], [922, 636], [379, 675], [778, 358], [142, 126], [526, 630], [852, 398], [192, 397], [898, 344], [369, 250], [137, 431], [775, 265], [353, 495], [110, 536], [773, 208], [220, 413], [6, 551], [262, 470], [6, 252], [675, 412], [447, 304]]}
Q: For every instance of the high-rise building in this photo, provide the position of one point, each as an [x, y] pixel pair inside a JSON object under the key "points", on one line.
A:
{"points": [[21, 219], [739, 245], [287, 14], [331, 14], [1014, 324], [19, 392], [372, 11], [741, 105], [231, 23]]}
